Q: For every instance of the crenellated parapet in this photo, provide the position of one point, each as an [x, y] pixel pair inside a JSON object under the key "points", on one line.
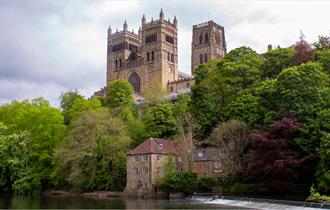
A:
{"points": [[125, 31], [160, 20]]}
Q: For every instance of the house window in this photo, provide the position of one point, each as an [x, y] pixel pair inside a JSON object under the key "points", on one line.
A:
{"points": [[217, 171], [172, 58], [120, 63], [200, 154], [145, 158], [145, 170], [217, 164], [135, 171], [135, 158], [200, 58], [160, 146], [205, 57]]}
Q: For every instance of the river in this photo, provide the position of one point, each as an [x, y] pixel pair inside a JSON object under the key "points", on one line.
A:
{"points": [[75, 202]]}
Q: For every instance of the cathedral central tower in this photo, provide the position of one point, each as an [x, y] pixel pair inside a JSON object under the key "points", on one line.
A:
{"points": [[208, 42]]}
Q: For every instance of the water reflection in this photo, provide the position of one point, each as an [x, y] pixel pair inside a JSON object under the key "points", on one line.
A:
{"points": [[74, 202]]}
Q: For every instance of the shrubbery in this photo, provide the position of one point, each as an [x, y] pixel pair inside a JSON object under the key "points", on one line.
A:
{"points": [[179, 182]]}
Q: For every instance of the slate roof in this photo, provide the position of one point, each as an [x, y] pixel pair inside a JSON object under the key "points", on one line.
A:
{"points": [[155, 146], [207, 154]]}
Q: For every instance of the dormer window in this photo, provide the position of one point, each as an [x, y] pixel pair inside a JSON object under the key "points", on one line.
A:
{"points": [[160, 146], [200, 154]]}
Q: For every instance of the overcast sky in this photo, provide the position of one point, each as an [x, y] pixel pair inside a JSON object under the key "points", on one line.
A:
{"points": [[49, 47]]}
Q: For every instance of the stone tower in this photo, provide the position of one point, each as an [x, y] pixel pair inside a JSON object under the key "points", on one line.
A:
{"points": [[120, 46], [208, 42], [159, 49], [141, 58]]}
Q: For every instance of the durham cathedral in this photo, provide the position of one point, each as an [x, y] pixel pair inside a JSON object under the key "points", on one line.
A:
{"points": [[152, 53]]}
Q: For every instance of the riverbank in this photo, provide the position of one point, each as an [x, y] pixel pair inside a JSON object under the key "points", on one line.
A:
{"points": [[93, 194]]}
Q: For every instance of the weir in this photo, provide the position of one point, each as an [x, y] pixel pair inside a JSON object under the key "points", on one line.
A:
{"points": [[257, 203]]}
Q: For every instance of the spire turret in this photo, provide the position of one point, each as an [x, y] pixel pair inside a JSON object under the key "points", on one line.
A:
{"points": [[109, 30], [125, 26], [161, 14], [175, 21], [143, 19]]}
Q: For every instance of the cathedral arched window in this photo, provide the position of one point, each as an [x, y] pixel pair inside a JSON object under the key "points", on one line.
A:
{"points": [[148, 56], [205, 57], [116, 62], [200, 39], [206, 37], [134, 80], [120, 63], [152, 55], [200, 58], [169, 56]]}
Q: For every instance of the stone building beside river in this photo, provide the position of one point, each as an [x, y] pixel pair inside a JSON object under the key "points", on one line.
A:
{"points": [[146, 164]]}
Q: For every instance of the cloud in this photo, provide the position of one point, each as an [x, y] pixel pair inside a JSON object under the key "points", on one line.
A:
{"points": [[48, 47]]}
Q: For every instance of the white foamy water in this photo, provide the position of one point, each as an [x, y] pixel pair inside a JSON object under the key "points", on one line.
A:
{"points": [[259, 203]]}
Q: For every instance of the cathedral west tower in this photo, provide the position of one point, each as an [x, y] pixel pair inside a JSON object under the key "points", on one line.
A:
{"points": [[141, 58]]}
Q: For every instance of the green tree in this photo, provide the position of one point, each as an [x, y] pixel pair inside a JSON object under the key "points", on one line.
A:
{"points": [[323, 57], [300, 90], [245, 107], [15, 164], [181, 106], [45, 125], [217, 85], [119, 94], [323, 169], [93, 154], [159, 121], [67, 101], [80, 105], [275, 61]]}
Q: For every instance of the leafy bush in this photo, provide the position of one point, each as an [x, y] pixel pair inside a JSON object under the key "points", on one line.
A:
{"points": [[205, 184], [179, 182]]}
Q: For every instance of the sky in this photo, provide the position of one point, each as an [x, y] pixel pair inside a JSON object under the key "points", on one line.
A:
{"points": [[48, 47]]}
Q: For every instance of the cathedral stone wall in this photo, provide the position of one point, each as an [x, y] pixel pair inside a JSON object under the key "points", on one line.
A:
{"points": [[152, 53]]}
